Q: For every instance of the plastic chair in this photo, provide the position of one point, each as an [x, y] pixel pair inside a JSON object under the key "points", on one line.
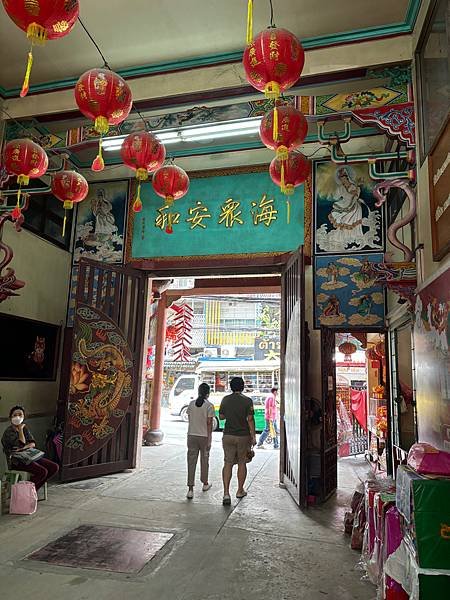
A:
{"points": [[13, 476]]}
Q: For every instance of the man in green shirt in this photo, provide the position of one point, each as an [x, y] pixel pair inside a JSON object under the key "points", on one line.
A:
{"points": [[238, 436]]}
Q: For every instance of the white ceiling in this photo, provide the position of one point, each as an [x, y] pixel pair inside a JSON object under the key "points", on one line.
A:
{"points": [[141, 32]]}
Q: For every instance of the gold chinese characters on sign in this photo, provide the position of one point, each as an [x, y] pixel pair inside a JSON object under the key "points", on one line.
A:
{"points": [[229, 215]]}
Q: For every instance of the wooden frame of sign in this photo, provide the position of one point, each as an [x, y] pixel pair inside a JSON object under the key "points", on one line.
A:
{"points": [[439, 180]]}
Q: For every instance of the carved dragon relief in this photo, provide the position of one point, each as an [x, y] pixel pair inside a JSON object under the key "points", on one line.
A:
{"points": [[380, 192], [9, 284]]}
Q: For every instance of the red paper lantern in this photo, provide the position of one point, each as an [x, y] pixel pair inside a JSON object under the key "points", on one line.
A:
{"points": [[42, 20], [143, 153], [283, 129], [70, 187], [273, 61], [347, 349], [27, 160], [105, 98], [171, 183], [290, 173]]}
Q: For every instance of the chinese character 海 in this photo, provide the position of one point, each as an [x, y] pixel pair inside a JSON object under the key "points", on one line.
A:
{"points": [[264, 212], [166, 218], [197, 214], [230, 213]]}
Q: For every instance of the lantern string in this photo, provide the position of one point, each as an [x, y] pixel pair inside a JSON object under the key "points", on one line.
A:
{"points": [[272, 23], [105, 62]]}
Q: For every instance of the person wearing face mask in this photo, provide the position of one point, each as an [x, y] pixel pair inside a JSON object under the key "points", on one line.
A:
{"points": [[16, 438]]}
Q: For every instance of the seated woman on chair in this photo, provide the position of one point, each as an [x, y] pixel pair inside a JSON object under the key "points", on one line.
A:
{"points": [[18, 437]]}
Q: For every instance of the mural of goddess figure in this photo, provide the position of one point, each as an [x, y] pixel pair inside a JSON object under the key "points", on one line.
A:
{"points": [[105, 225], [346, 215]]}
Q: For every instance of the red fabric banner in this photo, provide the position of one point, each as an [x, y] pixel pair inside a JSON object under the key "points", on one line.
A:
{"points": [[359, 406]]}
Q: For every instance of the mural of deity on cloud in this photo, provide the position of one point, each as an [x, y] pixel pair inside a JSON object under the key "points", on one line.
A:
{"points": [[100, 226], [346, 218], [346, 292]]}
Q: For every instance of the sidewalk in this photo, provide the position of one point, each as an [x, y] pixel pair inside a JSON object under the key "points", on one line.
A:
{"points": [[261, 546]]}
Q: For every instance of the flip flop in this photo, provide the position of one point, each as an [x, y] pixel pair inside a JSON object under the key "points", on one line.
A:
{"points": [[241, 495]]}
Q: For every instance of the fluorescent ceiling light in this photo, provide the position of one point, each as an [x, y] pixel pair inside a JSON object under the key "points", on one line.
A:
{"points": [[195, 133]]}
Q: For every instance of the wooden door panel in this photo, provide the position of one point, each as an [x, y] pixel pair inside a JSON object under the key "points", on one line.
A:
{"points": [[292, 471], [102, 409]]}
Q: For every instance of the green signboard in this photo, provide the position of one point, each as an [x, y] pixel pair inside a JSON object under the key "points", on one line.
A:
{"points": [[242, 213]]}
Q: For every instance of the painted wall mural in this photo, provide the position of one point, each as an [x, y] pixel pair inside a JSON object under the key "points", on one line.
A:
{"points": [[101, 221], [432, 359], [346, 291], [346, 216]]}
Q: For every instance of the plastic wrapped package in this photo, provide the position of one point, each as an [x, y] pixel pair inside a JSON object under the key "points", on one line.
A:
{"points": [[359, 526], [428, 460], [403, 499], [418, 583], [393, 536], [371, 544], [431, 522]]}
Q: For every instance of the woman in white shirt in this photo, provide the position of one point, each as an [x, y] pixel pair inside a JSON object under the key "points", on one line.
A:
{"points": [[201, 414]]}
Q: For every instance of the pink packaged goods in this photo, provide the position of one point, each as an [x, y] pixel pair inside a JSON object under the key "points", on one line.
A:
{"points": [[23, 498], [427, 460]]}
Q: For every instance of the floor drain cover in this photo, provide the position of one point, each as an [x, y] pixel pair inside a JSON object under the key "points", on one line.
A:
{"points": [[104, 548]]}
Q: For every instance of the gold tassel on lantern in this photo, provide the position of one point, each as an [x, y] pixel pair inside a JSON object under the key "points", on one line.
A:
{"points": [[282, 185], [137, 204], [68, 205], [275, 124], [38, 36], [288, 211], [141, 175], [101, 126], [249, 22]]}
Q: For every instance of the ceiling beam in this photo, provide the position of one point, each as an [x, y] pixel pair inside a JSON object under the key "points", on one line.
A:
{"points": [[228, 77]]}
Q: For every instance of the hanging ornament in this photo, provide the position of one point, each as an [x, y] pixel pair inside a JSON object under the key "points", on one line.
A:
{"points": [[27, 160], [347, 348], [171, 183], [380, 350], [70, 187], [273, 61], [105, 98], [143, 153], [289, 133], [42, 20], [290, 173]]}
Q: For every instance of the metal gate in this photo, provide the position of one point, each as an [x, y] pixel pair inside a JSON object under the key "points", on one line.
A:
{"points": [[102, 412], [293, 439]]}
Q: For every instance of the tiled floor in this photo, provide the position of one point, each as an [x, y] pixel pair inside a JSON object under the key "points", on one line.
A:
{"points": [[260, 547]]}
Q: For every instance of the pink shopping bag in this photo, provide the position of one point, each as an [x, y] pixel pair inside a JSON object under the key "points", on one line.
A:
{"points": [[23, 498]]}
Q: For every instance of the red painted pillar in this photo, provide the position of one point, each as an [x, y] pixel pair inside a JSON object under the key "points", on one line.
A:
{"points": [[154, 435]]}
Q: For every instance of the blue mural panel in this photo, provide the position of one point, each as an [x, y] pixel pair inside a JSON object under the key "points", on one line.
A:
{"points": [[235, 214], [345, 292]]}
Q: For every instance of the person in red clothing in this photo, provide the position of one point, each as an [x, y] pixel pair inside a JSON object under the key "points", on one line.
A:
{"points": [[271, 420]]}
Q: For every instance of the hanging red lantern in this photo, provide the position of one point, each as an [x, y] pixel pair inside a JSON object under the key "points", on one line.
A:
{"points": [[347, 348], [273, 61], [380, 350], [105, 98], [143, 153], [283, 129], [290, 173], [70, 187], [42, 20], [171, 183], [27, 160]]}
